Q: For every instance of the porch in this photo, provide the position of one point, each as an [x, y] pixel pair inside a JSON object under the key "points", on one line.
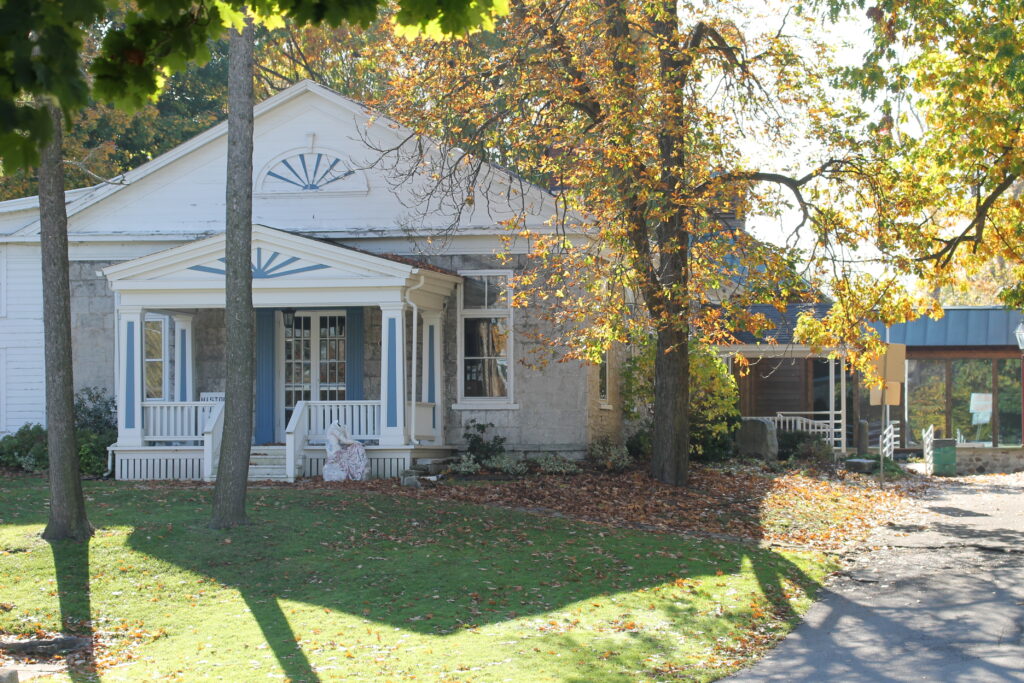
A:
{"points": [[360, 345]]}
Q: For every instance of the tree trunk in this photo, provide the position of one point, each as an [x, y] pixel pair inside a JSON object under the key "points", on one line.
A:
{"points": [[670, 442], [233, 470], [67, 518]]}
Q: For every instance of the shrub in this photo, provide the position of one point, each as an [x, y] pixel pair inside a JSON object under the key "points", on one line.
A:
{"points": [[477, 447], [95, 430], [465, 465], [25, 449], [803, 446], [506, 464], [638, 444], [607, 455], [556, 464], [95, 410], [713, 399]]}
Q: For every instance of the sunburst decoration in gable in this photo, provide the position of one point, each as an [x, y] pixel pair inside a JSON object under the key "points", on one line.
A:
{"points": [[265, 269], [308, 172]]}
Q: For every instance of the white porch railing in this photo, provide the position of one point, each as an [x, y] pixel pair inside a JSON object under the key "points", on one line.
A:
{"points": [[176, 422], [213, 434], [361, 417], [830, 429], [310, 420], [887, 442]]}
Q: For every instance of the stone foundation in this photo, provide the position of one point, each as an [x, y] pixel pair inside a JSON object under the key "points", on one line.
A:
{"points": [[989, 460]]}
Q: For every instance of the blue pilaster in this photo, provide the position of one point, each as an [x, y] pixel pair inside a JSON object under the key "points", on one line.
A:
{"points": [[266, 358], [392, 375], [354, 352]]}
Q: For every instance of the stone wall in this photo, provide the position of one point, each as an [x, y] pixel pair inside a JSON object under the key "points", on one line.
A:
{"points": [[209, 334], [92, 326], [550, 410], [989, 460]]}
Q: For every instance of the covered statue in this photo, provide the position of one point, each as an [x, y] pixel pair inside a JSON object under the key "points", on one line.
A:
{"points": [[346, 457]]}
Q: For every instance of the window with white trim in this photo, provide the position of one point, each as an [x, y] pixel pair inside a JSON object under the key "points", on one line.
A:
{"points": [[155, 352], [485, 337], [602, 379]]}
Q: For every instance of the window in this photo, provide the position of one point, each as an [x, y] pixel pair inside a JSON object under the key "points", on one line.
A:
{"points": [[602, 379], [154, 357], [485, 338]]}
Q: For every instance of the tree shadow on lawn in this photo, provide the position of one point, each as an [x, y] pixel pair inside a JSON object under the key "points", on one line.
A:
{"points": [[434, 568], [425, 566], [71, 569]]}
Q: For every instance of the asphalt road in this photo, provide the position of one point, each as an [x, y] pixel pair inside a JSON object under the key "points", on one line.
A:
{"points": [[942, 599]]}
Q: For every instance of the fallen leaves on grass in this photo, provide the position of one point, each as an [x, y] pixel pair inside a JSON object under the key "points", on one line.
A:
{"points": [[789, 509]]}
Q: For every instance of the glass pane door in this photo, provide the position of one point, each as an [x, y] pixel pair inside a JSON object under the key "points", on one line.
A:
{"points": [[314, 358], [331, 380], [297, 363]]}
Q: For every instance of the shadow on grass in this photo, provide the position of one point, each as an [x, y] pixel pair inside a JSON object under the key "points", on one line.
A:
{"points": [[424, 566], [71, 567]]}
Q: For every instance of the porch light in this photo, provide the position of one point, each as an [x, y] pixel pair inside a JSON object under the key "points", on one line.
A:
{"points": [[1019, 333]]}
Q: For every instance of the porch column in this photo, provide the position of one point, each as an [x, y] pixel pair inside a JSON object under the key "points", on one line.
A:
{"points": [[184, 358], [129, 386], [433, 384], [832, 399], [392, 375], [842, 400]]}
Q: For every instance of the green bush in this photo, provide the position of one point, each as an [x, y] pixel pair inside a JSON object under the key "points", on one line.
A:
{"points": [[607, 455], [465, 465], [25, 449], [803, 446], [478, 448], [638, 444], [556, 464], [713, 400], [506, 464], [95, 430]]}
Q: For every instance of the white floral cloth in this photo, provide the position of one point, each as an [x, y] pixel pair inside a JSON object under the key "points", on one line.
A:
{"points": [[346, 457]]}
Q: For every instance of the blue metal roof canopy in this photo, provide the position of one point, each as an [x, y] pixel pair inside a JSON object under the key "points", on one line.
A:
{"points": [[960, 326]]}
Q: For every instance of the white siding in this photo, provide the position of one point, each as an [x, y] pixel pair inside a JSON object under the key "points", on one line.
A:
{"points": [[21, 339]]}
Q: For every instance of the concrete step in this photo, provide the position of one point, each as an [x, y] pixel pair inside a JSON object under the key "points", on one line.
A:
{"points": [[261, 473], [258, 460]]}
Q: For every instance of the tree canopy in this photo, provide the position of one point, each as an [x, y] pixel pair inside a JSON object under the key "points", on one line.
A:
{"points": [[142, 43], [658, 126]]}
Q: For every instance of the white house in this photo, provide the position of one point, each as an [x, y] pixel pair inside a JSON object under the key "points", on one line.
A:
{"points": [[360, 315]]}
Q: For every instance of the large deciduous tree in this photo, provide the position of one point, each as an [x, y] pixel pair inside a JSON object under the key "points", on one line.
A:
{"points": [[67, 517], [233, 469], [942, 90], [656, 124]]}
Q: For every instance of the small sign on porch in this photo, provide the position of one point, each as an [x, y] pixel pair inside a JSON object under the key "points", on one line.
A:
{"points": [[981, 409]]}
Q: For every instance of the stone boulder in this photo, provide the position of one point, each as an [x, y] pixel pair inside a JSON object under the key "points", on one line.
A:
{"points": [[757, 438]]}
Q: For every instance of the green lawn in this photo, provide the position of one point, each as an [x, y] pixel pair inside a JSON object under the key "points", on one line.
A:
{"points": [[331, 584]]}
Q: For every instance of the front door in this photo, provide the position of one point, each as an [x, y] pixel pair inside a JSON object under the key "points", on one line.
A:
{"points": [[313, 357]]}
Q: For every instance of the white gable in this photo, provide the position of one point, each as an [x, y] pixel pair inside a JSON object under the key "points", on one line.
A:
{"points": [[288, 270], [338, 192]]}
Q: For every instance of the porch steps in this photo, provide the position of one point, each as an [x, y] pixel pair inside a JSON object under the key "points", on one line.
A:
{"points": [[266, 463]]}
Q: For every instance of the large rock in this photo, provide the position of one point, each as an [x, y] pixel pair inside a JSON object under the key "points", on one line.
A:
{"points": [[757, 438]]}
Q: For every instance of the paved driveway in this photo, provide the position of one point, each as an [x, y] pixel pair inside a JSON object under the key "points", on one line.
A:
{"points": [[942, 600]]}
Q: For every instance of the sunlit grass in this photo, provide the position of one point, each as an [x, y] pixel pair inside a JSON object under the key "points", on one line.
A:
{"points": [[331, 584]]}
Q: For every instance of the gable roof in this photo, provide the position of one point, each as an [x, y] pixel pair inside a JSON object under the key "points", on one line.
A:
{"points": [[170, 223], [783, 322]]}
